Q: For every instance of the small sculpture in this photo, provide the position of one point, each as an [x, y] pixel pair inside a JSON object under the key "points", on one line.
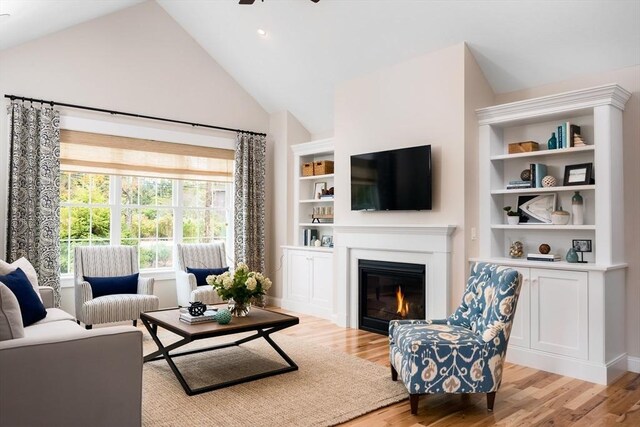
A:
{"points": [[223, 316], [578, 141], [525, 175], [549, 181], [197, 308], [544, 248], [516, 250]]}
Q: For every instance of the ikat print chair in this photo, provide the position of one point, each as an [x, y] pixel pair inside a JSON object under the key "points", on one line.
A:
{"points": [[105, 299], [203, 259], [464, 353]]}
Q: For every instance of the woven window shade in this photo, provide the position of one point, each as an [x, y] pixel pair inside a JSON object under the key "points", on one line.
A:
{"points": [[118, 155]]}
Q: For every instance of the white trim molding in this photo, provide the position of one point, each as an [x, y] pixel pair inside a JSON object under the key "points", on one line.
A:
{"points": [[633, 364], [429, 245]]}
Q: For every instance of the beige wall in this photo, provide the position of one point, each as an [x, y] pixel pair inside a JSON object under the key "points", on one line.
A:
{"points": [[137, 60], [426, 100], [628, 78], [284, 130]]}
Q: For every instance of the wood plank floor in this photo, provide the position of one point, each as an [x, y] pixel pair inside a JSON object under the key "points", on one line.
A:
{"points": [[527, 396]]}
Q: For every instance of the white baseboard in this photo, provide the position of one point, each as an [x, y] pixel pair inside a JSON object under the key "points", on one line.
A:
{"points": [[569, 366], [306, 308], [276, 302], [633, 364]]}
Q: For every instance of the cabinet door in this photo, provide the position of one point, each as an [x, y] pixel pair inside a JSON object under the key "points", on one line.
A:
{"points": [[559, 307], [322, 281], [520, 330], [299, 276]]}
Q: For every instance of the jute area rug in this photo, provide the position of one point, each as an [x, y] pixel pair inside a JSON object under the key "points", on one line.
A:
{"points": [[329, 388]]}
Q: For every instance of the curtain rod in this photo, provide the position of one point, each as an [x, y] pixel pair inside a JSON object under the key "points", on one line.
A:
{"points": [[121, 113]]}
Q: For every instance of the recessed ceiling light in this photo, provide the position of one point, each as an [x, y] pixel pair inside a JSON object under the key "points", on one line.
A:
{"points": [[262, 33]]}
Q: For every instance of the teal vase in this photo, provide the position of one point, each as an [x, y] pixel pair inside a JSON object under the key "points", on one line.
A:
{"points": [[552, 144], [572, 255]]}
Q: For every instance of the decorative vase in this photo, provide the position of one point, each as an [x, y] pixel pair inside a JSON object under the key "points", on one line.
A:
{"points": [[577, 206], [552, 144], [513, 220], [516, 250], [572, 255], [560, 217], [239, 308]]}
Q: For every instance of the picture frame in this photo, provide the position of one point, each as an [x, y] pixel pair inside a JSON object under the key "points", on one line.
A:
{"points": [[318, 188], [537, 208], [580, 174], [581, 245], [327, 240]]}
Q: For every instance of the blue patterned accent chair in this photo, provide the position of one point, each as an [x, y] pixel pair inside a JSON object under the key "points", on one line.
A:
{"points": [[464, 353]]}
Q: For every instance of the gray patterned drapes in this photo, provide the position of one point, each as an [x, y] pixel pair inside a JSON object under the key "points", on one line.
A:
{"points": [[249, 207], [33, 221]]}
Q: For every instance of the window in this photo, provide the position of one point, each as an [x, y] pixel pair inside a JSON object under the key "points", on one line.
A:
{"points": [[149, 213]]}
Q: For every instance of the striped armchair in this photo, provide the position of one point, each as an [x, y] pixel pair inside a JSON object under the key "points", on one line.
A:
{"points": [[110, 261], [198, 255], [464, 353]]}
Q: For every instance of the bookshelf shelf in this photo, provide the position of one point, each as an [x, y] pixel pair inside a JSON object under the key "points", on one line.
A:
{"points": [[545, 189], [542, 227], [541, 153], [317, 177]]}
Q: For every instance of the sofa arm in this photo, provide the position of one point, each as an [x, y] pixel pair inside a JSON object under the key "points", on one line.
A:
{"points": [[48, 296], [84, 374], [185, 284], [145, 285]]}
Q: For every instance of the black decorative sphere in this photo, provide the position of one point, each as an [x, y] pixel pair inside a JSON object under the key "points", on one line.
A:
{"points": [[197, 308], [525, 175]]}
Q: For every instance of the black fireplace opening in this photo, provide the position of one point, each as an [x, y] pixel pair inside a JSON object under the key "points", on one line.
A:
{"points": [[388, 291]]}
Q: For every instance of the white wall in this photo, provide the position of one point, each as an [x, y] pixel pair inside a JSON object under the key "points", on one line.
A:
{"points": [[628, 78], [425, 100], [136, 60]]}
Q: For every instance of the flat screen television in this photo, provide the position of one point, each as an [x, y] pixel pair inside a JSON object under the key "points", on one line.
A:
{"points": [[394, 180]]}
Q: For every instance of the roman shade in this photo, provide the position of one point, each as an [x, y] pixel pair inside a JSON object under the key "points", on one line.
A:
{"points": [[119, 155]]}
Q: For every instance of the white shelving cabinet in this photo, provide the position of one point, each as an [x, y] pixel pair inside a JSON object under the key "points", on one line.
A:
{"points": [[570, 318], [308, 270]]}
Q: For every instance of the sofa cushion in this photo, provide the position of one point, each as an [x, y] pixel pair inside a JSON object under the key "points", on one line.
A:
{"points": [[10, 317], [31, 307], [202, 273], [115, 285], [26, 267], [52, 329], [55, 315]]}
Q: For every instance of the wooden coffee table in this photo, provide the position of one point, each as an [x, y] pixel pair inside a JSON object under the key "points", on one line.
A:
{"points": [[263, 322]]}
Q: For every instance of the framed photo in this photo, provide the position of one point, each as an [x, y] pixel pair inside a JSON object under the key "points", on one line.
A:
{"points": [[318, 187], [536, 208], [327, 240], [578, 174], [581, 245]]}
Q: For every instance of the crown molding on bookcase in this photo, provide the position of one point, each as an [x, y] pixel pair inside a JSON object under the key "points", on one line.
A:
{"points": [[314, 147], [610, 94]]}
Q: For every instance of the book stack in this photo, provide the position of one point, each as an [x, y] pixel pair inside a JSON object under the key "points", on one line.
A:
{"points": [[518, 184], [208, 316], [566, 134], [543, 257]]}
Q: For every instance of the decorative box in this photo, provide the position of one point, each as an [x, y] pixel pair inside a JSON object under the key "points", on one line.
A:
{"points": [[323, 167], [523, 147], [307, 169]]}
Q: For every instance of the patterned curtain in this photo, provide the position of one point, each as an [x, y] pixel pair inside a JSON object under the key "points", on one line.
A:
{"points": [[34, 199], [249, 182]]}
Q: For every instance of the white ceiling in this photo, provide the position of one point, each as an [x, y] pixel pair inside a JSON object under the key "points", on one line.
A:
{"points": [[310, 48]]}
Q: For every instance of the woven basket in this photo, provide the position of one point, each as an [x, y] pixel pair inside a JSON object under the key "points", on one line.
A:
{"points": [[323, 167], [307, 169]]}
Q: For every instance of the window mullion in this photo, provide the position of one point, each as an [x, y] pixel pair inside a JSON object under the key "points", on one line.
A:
{"points": [[115, 205]]}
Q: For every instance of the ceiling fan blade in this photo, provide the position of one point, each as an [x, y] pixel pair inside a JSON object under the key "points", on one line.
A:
{"points": [[247, 1]]}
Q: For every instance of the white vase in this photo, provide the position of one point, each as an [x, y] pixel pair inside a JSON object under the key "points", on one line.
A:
{"points": [[513, 220]]}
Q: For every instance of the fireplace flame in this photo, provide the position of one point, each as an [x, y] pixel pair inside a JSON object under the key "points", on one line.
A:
{"points": [[402, 305]]}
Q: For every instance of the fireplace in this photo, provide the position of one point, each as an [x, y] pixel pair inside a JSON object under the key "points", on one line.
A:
{"points": [[388, 291]]}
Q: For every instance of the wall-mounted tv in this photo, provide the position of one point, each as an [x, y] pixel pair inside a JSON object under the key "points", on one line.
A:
{"points": [[394, 180]]}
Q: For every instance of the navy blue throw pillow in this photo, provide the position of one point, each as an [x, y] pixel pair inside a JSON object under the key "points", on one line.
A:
{"points": [[101, 286], [202, 273], [31, 308]]}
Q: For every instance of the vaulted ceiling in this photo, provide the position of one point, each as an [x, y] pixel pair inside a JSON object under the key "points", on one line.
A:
{"points": [[309, 47]]}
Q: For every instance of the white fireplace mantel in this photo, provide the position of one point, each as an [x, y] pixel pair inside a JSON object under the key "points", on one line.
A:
{"points": [[429, 245]]}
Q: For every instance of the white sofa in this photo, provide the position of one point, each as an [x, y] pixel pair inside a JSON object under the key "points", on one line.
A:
{"points": [[60, 374]]}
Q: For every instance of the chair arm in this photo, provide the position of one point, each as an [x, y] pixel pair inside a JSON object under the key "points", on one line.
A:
{"points": [[48, 296], [185, 284], [84, 374], [83, 294], [145, 285]]}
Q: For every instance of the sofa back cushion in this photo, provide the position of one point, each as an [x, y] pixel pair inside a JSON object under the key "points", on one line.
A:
{"points": [[27, 269], [101, 286], [31, 307], [202, 273], [10, 317]]}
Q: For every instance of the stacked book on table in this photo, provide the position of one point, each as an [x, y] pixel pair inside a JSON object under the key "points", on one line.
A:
{"points": [[208, 316], [543, 257]]}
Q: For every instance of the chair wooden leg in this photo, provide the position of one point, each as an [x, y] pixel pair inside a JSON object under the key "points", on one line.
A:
{"points": [[78, 322], [88, 326], [135, 322], [394, 374], [491, 397], [413, 400]]}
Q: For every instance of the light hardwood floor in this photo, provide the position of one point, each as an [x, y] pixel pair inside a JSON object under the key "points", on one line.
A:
{"points": [[527, 396]]}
